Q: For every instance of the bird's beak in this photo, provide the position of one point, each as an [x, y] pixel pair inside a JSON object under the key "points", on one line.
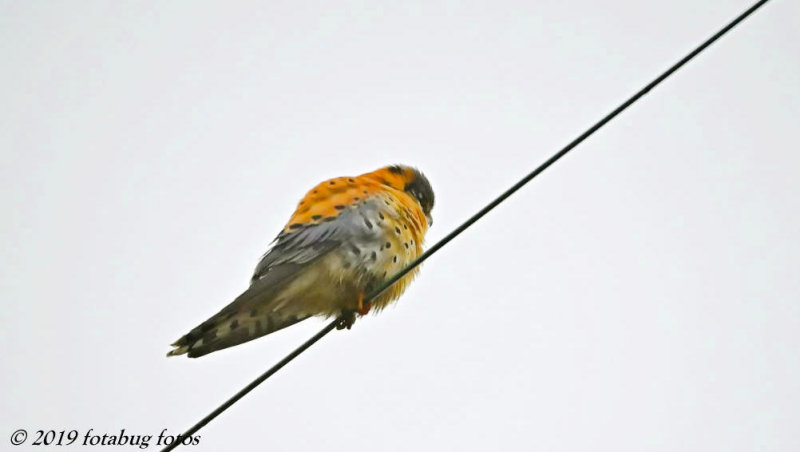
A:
{"points": [[430, 219]]}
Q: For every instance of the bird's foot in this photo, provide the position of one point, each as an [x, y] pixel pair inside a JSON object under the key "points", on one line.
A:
{"points": [[348, 318]]}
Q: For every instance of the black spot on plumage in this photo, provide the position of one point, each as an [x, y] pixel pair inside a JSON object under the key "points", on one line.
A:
{"points": [[406, 244], [253, 312], [373, 255], [356, 199], [235, 324], [295, 225], [356, 251], [333, 182], [388, 245], [329, 219], [397, 230], [394, 259], [351, 180], [316, 217], [380, 214], [338, 207], [396, 169], [346, 265], [315, 192], [368, 223]]}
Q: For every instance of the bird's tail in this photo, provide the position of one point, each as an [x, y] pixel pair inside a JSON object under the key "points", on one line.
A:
{"points": [[223, 331], [253, 314]]}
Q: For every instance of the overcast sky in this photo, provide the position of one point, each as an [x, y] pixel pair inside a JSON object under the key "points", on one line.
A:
{"points": [[642, 294]]}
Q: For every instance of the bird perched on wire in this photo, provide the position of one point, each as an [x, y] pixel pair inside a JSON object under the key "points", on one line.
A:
{"points": [[347, 236]]}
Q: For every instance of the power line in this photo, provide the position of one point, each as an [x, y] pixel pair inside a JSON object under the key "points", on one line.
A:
{"points": [[438, 245]]}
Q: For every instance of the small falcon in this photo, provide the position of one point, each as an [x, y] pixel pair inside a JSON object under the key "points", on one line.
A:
{"points": [[347, 236]]}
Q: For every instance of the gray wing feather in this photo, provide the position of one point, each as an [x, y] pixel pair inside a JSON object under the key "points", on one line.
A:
{"points": [[354, 225]]}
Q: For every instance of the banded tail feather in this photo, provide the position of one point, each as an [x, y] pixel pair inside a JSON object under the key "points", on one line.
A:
{"points": [[256, 312], [223, 331]]}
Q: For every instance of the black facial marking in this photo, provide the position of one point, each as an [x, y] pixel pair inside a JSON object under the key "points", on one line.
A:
{"points": [[420, 188]]}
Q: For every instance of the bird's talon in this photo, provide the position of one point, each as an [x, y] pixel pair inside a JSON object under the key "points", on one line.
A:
{"points": [[347, 320]]}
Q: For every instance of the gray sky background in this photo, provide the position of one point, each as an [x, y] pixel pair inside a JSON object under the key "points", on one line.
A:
{"points": [[642, 294]]}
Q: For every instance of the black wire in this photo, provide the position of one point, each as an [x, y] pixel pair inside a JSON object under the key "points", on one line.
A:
{"points": [[438, 245]]}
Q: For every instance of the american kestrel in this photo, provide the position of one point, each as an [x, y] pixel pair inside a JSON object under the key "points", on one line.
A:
{"points": [[347, 236]]}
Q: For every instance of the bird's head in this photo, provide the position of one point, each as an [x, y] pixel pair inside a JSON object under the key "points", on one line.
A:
{"points": [[411, 181]]}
